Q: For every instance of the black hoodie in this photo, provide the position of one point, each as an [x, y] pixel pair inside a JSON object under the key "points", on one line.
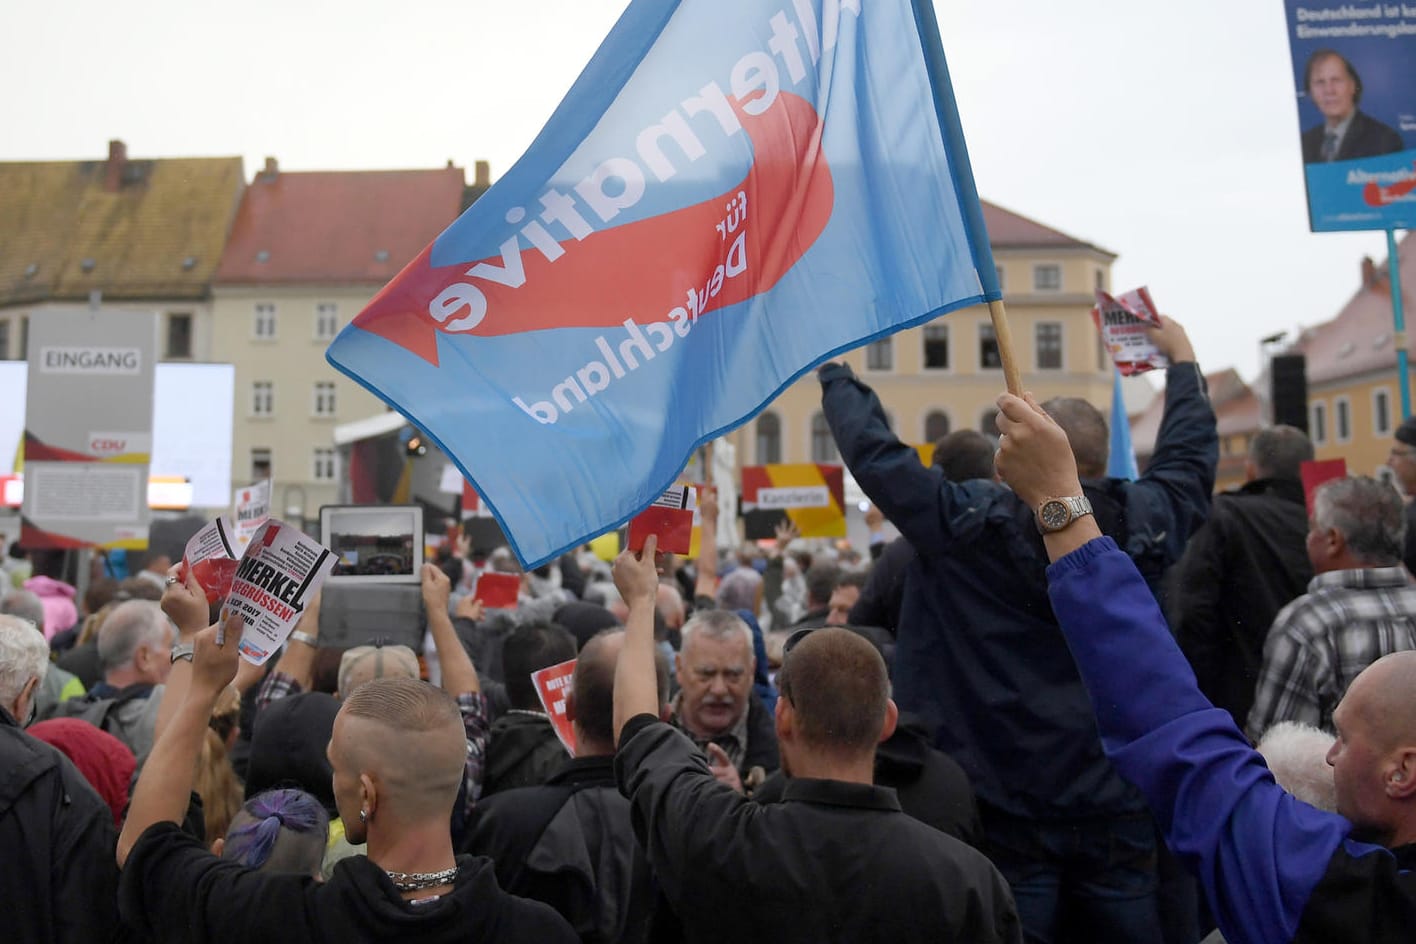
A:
{"points": [[175, 890]]}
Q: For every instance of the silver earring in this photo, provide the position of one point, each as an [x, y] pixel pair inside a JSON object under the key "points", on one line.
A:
{"points": [[363, 816]]}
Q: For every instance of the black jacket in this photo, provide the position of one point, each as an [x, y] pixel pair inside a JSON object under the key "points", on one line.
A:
{"points": [[570, 844], [175, 890], [834, 861], [1240, 569], [978, 655], [58, 879], [522, 751], [931, 787], [1365, 137]]}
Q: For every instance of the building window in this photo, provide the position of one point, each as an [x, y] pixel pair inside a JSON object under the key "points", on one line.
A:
{"points": [[263, 328], [1047, 337], [4, 340], [1381, 411], [988, 356], [936, 426], [1047, 278], [22, 353], [326, 321], [260, 464], [823, 444], [323, 466], [769, 439], [1317, 420], [1100, 280], [324, 397], [998, 274], [1342, 419], [179, 335], [880, 355], [936, 347], [988, 423], [262, 398]]}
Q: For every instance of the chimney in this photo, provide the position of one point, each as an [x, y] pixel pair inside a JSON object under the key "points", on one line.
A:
{"points": [[483, 171], [272, 168], [117, 163], [1373, 279]]}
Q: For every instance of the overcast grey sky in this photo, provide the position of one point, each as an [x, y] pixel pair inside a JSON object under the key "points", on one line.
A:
{"points": [[1166, 133]]}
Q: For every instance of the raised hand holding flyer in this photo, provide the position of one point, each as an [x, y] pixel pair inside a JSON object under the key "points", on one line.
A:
{"points": [[281, 569], [1123, 321], [210, 555]]}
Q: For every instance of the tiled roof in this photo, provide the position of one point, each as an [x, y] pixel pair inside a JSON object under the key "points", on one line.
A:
{"points": [[1360, 338], [1236, 410], [1009, 230], [153, 229], [337, 226]]}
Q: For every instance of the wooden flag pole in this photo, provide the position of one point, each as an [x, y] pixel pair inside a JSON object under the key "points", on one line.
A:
{"points": [[1011, 376]]}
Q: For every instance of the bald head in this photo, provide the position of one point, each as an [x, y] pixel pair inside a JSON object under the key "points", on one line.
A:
{"points": [[1086, 432], [1385, 697], [407, 738]]}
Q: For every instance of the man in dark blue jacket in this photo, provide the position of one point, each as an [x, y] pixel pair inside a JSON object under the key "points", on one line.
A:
{"points": [[1273, 868], [978, 656]]}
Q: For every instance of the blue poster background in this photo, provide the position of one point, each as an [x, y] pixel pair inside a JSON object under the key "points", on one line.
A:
{"points": [[1379, 40]]}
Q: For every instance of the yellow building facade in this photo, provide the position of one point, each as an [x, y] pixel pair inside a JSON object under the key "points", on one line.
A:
{"points": [[946, 375], [1354, 397]]}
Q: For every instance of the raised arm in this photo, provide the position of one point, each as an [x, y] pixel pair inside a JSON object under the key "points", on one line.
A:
{"points": [[636, 682], [930, 511], [165, 785], [1257, 851], [1180, 476], [706, 581], [459, 676], [185, 603]]}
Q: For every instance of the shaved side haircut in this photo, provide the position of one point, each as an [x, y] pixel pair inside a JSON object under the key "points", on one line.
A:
{"points": [[838, 685]]}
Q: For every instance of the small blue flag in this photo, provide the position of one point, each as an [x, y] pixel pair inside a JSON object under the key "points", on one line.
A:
{"points": [[729, 195], [1121, 463]]}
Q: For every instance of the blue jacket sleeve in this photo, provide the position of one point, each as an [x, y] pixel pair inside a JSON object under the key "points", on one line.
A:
{"points": [[1172, 499], [1257, 851], [931, 512]]}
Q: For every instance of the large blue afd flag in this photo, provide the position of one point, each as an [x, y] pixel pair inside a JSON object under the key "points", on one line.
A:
{"points": [[729, 195]]}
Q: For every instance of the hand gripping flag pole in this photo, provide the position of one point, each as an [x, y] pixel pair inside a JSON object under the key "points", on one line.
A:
{"points": [[1012, 377]]}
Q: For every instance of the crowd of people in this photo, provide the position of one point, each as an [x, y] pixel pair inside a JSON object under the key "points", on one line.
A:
{"points": [[1030, 716]]}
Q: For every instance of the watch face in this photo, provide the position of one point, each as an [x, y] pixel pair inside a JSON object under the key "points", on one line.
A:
{"points": [[1054, 514]]}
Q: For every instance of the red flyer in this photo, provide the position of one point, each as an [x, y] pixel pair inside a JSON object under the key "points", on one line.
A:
{"points": [[210, 555], [498, 591], [670, 516], [552, 685], [1123, 321], [1315, 472]]}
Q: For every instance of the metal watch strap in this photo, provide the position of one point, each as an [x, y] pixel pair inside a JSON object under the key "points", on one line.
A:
{"points": [[306, 638], [182, 650]]}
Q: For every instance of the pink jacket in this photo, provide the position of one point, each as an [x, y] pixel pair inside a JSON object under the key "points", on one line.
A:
{"points": [[58, 599]]}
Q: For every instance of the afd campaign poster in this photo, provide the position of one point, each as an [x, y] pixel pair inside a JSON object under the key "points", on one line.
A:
{"points": [[728, 195], [1353, 64]]}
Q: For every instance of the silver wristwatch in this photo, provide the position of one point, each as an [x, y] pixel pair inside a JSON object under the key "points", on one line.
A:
{"points": [[1056, 513], [182, 650]]}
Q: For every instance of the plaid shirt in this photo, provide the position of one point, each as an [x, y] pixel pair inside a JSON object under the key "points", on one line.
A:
{"points": [[475, 715], [1319, 643]]}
